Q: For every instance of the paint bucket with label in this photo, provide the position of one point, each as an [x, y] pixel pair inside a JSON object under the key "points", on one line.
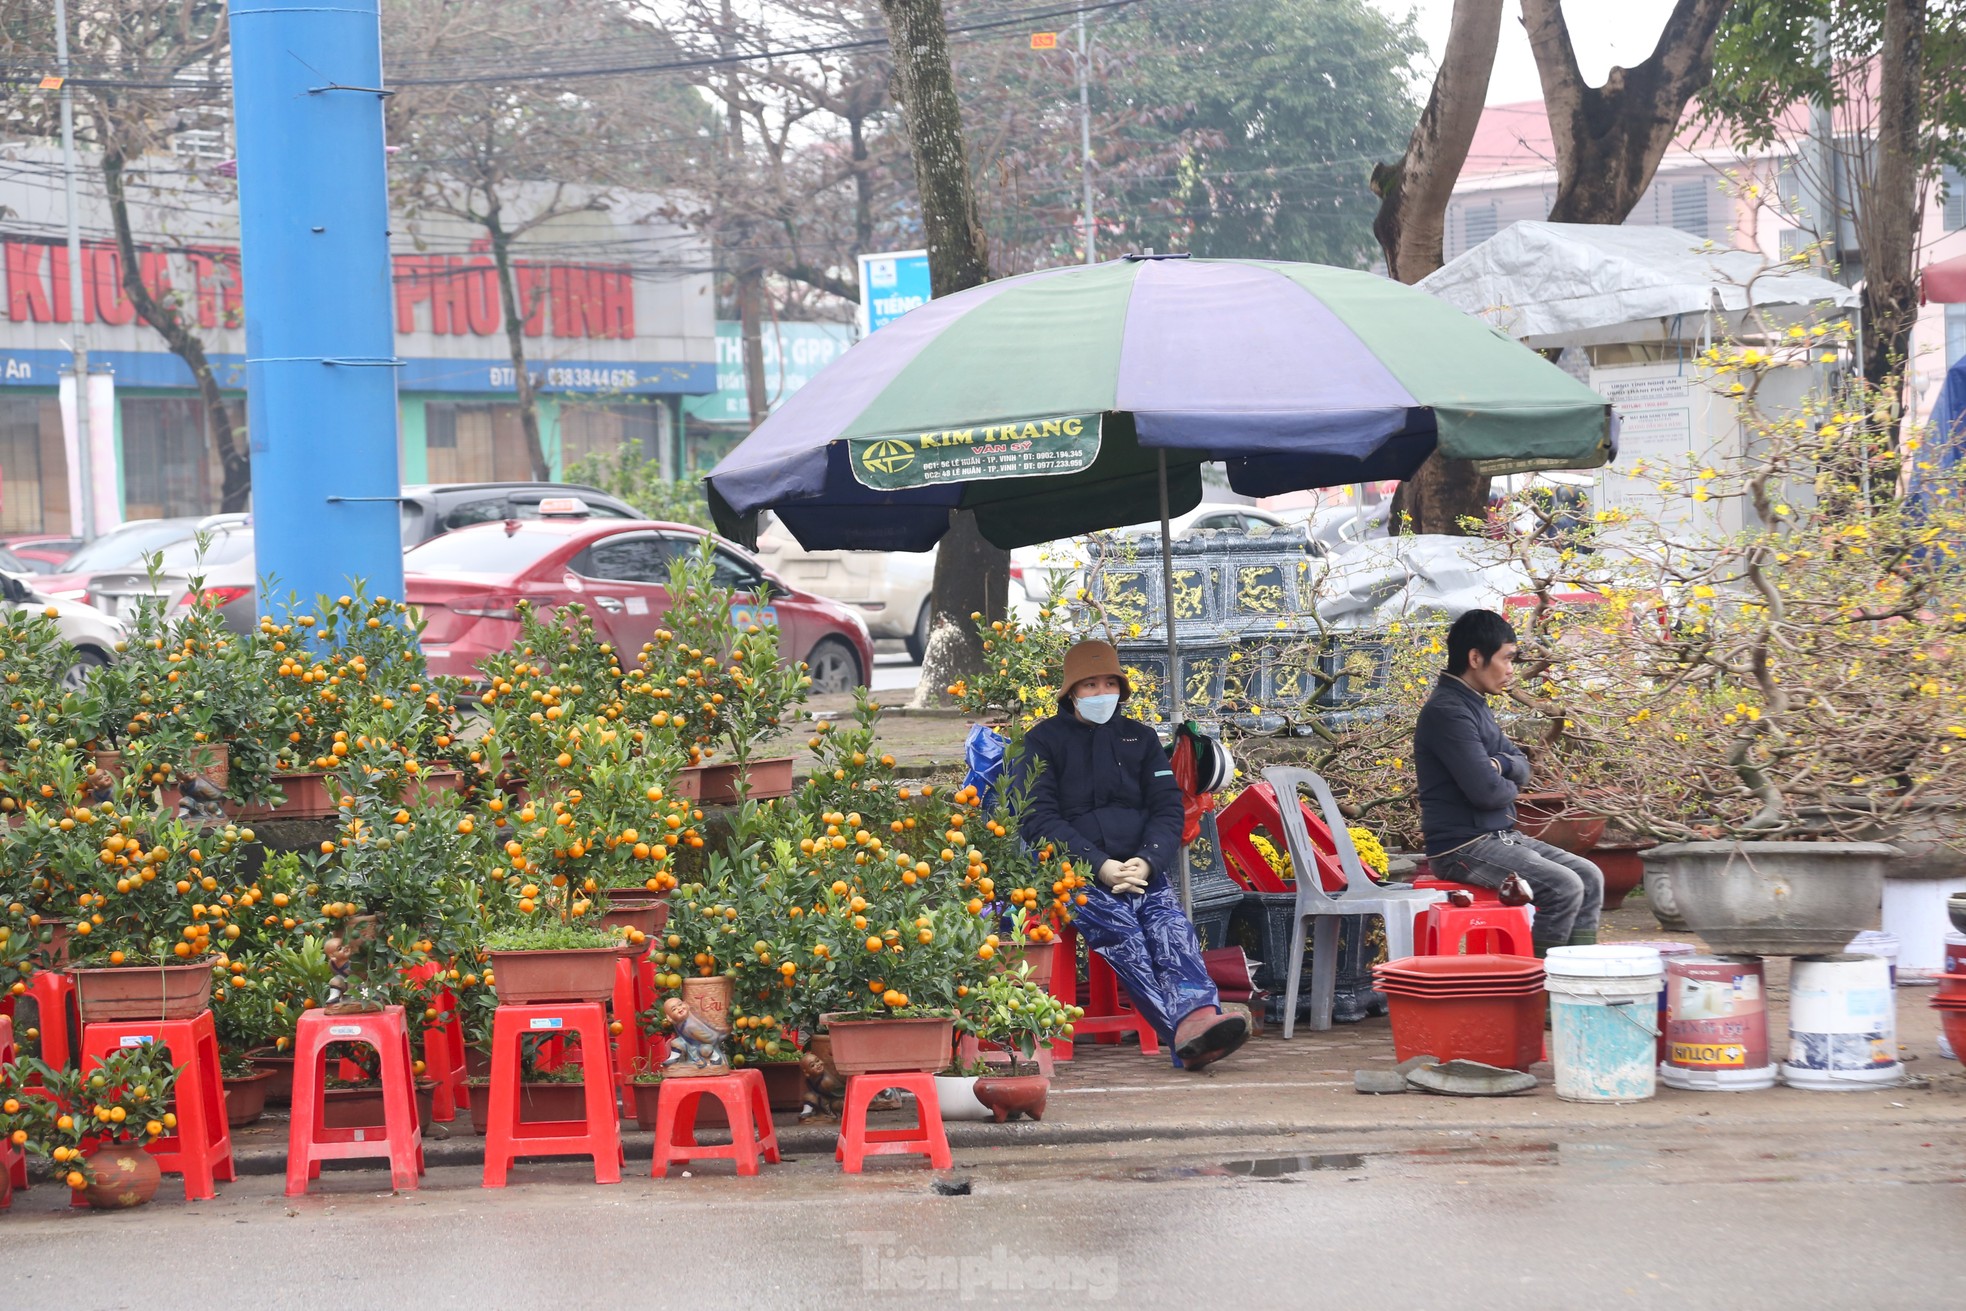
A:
{"points": [[1955, 963], [1843, 1024], [1603, 1039], [1667, 950], [1716, 1025]]}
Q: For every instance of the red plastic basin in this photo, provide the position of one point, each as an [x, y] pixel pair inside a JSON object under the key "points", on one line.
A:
{"points": [[1503, 1031]]}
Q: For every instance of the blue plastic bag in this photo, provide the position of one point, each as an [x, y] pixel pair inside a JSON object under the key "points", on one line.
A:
{"points": [[984, 750]]}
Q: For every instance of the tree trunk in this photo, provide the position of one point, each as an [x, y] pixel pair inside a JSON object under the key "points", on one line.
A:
{"points": [[1411, 227], [1609, 139], [971, 575], [863, 185], [1889, 230], [750, 320], [1413, 193], [235, 465], [515, 345]]}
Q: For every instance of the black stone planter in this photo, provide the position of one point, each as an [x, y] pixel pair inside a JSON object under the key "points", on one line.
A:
{"points": [[1264, 923]]}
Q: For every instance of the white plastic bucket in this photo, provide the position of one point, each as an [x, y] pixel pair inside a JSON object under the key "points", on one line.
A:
{"points": [[1603, 1009], [1914, 912], [1872, 943], [1843, 1024], [1716, 1025], [955, 1095]]}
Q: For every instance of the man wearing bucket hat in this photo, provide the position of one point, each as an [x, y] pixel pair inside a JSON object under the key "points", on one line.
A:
{"points": [[1469, 775], [1099, 786]]}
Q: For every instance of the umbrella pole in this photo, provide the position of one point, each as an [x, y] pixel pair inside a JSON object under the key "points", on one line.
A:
{"points": [[1173, 647]]}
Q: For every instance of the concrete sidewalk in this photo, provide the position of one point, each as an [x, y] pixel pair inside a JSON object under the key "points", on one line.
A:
{"points": [[1113, 1094]]}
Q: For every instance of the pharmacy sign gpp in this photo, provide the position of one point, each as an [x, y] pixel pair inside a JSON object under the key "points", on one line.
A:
{"points": [[890, 286]]}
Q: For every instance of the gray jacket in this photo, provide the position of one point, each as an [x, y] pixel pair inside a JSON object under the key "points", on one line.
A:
{"points": [[1469, 773]]}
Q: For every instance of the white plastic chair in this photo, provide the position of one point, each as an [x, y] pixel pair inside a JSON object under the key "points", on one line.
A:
{"points": [[1360, 896]]}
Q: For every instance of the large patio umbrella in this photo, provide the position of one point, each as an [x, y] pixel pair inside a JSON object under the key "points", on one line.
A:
{"points": [[1084, 398]]}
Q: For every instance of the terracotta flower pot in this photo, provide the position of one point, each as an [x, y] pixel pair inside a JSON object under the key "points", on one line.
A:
{"points": [[124, 1175], [577, 974], [245, 1099], [1554, 818], [1013, 1095], [307, 797], [785, 1090], [53, 954], [889, 1046], [212, 759], [717, 784], [648, 916], [1622, 868], [537, 1102], [361, 1108], [143, 992], [1042, 957], [280, 1066], [110, 763]]}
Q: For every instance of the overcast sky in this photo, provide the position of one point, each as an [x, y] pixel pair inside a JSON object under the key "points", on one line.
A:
{"points": [[1605, 32]]}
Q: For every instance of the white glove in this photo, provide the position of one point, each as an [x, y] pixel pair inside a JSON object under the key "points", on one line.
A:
{"points": [[1136, 872], [1112, 874]]}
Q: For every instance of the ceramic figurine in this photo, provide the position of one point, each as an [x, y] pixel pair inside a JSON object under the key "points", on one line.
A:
{"points": [[695, 1045], [825, 1090], [101, 785], [201, 800]]}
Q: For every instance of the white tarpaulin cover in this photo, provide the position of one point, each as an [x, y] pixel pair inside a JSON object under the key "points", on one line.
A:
{"points": [[1556, 284]]}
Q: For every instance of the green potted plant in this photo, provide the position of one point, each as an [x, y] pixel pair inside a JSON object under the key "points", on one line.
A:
{"points": [[1014, 1013], [92, 1128]]}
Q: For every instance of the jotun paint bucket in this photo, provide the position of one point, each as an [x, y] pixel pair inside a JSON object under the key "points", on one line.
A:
{"points": [[1843, 1024], [1603, 1004], [1716, 1025]]}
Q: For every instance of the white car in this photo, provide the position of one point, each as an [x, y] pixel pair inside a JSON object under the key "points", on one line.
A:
{"points": [[92, 634], [890, 589]]}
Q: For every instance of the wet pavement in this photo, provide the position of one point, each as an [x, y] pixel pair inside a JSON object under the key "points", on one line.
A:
{"points": [[1661, 1217]]}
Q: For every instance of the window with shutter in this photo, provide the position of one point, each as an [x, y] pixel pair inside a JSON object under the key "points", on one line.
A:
{"points": [[1954, 183], [1478, 224], [1689, 207]]}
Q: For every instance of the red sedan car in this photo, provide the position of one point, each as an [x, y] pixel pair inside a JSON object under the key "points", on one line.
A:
{"points": [[467, 584]]}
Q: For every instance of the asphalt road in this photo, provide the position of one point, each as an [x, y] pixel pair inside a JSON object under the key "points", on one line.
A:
{"points": [[893, 672], [1669, 1218]]}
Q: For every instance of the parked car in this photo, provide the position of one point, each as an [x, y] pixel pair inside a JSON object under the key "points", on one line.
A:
{"points": [[467, 586], [123, 549], [432, 509], [889, 588], [219, 554], [38, 553], [90, 633]]}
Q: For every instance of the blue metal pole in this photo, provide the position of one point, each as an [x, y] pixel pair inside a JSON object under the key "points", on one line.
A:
{"points": [[320, 337]]}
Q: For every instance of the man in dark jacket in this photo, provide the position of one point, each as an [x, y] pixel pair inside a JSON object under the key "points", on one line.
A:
{"points": [[1104, 792], [1469, 775]]}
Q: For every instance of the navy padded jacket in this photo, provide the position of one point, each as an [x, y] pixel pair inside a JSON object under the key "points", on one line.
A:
{"points": [[1105, 792]]}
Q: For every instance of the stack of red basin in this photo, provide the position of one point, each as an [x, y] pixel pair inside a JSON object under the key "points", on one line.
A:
{"points": [[1951, 1006], [1469, 1008]]}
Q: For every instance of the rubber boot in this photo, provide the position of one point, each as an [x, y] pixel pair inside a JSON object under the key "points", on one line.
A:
{"points": [[1583, 938]]}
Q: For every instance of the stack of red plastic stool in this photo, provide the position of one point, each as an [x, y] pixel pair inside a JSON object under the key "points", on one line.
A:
{"points": [[13, 1160], [54, 1002], [201, 1148], [507, 1137], [443, 1049], [1108, 1017], [309, 1139], [747, 1108], [630, 1051], [857, 1142]]}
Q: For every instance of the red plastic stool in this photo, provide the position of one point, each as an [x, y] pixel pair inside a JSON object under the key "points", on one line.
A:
{"points": [[1482, 897], [201, 1149], [746, 1106], [443, 1049], [1453, 930], [1108, 1017], [857, 1142], [309, 1139], [1257, 808], [629, 1049], [13, 1160], [54, 1004], [507, 1137]]}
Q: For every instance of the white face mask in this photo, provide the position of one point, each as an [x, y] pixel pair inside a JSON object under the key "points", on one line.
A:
{"points": [[1097, 709]]}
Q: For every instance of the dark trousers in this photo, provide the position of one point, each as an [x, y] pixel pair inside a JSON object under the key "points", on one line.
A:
{"points": [[1569, 889], [1153, 949]]}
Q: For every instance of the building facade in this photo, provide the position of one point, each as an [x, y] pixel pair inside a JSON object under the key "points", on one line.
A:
{"points": [[617, 315]]}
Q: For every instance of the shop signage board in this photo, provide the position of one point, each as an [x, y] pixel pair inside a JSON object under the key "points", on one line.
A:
{"points": [[890, 285]]}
